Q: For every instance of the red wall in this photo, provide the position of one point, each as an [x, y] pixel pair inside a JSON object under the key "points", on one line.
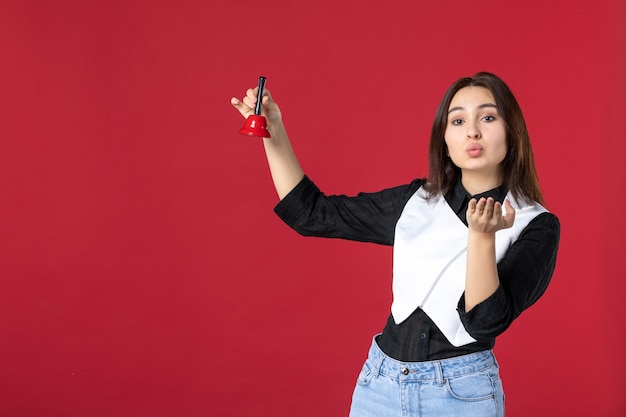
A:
{"points": [[142, 270]]}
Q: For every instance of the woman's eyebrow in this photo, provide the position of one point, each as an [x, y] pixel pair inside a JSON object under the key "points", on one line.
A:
{"points": [[482, 106]]}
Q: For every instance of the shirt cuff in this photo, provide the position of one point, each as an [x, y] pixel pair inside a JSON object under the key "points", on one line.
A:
{"points": [[487, 319]]}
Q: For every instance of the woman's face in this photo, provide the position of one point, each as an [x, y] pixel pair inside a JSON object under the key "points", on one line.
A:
{"points": [[475, 132]]}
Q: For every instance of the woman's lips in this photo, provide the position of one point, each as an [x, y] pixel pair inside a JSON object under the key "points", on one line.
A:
{"points": [[474, 149]]}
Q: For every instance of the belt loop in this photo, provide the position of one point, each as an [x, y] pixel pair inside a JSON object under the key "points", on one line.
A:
{"points": [[493, 356], [379, 364], [378, 355], [439, 371]]}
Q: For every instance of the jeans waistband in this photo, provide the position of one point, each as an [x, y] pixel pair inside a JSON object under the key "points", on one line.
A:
{"points": [[437, 369]]}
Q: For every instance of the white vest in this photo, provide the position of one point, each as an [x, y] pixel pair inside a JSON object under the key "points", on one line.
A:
{"points": [[429, 260]]}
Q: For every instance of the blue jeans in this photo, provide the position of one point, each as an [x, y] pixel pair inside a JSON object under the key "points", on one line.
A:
{"points": [[464, 386]]}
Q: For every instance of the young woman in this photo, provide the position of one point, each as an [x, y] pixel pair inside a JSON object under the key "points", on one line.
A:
{"points": [[473, 248]]}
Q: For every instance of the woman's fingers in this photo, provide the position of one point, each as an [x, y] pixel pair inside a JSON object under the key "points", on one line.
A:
{"points": [[250, 98], [247, 104], [243, 108], [482, 206], [488, 209], [497, 210], [486, 215]]}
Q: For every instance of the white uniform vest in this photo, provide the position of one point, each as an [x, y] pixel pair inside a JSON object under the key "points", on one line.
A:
{"points": [[429, 260]]}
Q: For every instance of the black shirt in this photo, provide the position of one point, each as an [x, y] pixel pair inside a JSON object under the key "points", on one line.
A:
{"points": [[524, 271]]}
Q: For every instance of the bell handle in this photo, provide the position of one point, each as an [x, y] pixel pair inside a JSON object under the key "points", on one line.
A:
{"points": [[257, 108]]}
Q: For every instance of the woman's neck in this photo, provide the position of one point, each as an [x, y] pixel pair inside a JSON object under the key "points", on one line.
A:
{"points": [[475, 183]]}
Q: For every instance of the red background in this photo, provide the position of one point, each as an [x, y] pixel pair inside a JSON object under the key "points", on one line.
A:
{"points": [[143, 272]]}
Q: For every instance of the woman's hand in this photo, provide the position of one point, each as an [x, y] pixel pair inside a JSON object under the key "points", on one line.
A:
{"points": [[246, 105], [485, 215]]}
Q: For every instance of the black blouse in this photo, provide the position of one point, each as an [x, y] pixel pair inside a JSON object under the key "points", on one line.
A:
{"points": [[524, 271]]}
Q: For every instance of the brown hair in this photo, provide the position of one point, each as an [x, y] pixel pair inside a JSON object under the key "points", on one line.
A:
{"points": [[518, 166]]}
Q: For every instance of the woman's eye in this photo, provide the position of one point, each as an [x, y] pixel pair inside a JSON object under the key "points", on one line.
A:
{"points": [[457, 122], [489, 118]]}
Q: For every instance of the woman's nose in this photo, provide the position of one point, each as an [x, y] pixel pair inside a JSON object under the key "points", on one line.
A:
{"points": [[473, 132]]}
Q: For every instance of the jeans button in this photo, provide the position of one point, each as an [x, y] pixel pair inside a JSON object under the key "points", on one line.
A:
{"points": [[404, 371]]}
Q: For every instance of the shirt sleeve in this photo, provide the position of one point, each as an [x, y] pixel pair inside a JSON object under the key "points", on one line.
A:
{"points": [[524, 271], [366, 217]]}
